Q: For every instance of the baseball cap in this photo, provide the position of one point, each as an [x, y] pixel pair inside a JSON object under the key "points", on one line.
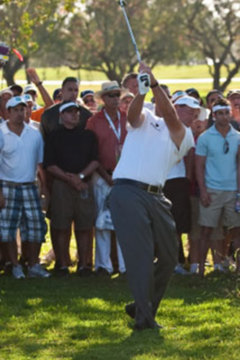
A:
{"points": [[177, 94], [68, 105], [85, 93], [188, 101], [233, 92], [192, 91], [27, 98], [15, 101], [6, 91], [16, 87], [29, 87]]}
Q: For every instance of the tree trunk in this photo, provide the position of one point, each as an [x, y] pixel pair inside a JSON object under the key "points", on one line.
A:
{"points": [[10, 69], [216, 76]]}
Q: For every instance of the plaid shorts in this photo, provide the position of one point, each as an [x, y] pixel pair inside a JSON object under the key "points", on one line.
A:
{"points": [[22, 210]]}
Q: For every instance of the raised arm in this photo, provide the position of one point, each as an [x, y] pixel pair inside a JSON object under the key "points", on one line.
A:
{"points": [[43, 91]]}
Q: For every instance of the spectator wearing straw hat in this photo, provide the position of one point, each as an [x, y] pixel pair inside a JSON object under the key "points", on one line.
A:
{"points": [[109, 125]]}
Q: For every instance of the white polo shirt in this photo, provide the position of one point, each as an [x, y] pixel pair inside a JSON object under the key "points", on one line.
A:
{"points": [[19, 155], [149, 153]]}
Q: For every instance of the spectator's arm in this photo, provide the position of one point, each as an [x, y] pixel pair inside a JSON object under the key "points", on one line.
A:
{"points": [[48, 101]]}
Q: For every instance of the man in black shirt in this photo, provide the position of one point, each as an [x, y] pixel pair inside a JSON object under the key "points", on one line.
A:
{"points": [[71, 158], [50, 117]]}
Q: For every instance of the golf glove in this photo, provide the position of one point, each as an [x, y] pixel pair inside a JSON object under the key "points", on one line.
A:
{"points": [[143, 83]]}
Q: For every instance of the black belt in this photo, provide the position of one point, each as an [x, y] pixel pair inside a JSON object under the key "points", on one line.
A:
{"points": [[12, 183], [153, 189]]}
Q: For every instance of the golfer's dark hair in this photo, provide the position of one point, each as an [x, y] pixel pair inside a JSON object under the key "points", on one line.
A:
{"points": [[214, 91], [70, 79], [222, 102], [128, 77]]}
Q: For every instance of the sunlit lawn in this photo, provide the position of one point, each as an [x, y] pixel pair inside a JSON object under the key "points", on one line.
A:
{"points": [[83, 318]]}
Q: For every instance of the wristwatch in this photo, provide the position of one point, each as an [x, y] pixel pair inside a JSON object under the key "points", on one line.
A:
{"points": [[82, 176]]}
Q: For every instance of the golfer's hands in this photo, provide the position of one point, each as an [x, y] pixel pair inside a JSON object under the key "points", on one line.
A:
{"points": [[143, 68], [205, 198]]}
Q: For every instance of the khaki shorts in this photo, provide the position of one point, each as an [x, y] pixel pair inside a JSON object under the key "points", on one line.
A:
{"points": [[69, 205], [222, 204], [217, 233]]}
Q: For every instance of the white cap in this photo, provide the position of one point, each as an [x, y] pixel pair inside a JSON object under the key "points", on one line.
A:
{"points": [[177, 95], [15, 101], [29, 87], [188, 101], [68, 105], [27, 98], [6, 91]]}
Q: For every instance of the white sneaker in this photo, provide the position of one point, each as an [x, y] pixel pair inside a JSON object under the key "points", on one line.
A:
{"points": [[37, 271], [17, 272], [180, 270]]}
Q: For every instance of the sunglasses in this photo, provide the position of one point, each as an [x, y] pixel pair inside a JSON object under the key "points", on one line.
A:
{"points": [[113, 95], [226, 147]]}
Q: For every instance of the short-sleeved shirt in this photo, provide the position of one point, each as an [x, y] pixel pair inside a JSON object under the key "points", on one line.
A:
{"points": [[149, 153], [20, 155], [70, 150], [220, 167], [108, 143]]}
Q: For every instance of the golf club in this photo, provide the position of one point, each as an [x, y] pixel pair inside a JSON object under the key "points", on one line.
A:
{"points": [[123, 4]]}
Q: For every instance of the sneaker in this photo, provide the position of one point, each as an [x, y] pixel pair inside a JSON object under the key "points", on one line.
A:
{"points": [[61, 271], [180, 270], [219, 267], [84, 271], [194, 268], [102, 272], [37, 271], [17, 272]]}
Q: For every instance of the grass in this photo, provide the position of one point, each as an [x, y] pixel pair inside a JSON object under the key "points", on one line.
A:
{"points": [[82, 318]]}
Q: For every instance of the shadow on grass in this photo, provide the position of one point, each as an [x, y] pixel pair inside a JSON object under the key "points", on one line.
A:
{"points": [[73, 318]]}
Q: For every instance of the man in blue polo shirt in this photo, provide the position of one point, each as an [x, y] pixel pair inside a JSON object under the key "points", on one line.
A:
{"points": [[218, 176]]}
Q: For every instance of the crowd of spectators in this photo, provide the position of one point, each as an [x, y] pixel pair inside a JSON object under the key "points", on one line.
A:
{"points": [[56, 162]]}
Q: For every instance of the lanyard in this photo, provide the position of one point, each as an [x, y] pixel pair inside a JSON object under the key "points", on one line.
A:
{"points": [[117, 131]]}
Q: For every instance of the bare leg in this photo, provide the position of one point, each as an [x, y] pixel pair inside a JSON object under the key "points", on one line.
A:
{"points": [[203, 247], [83, 244], [33, 253], [10, 250]]}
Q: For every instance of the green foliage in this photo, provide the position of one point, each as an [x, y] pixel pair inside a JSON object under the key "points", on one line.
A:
{"points": [[98, 39], [21, 22]]}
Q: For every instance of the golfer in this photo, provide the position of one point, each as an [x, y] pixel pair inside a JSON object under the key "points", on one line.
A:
{"points": [[140, 212]]}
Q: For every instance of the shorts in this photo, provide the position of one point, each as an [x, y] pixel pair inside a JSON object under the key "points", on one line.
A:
{"points": [[222, 204], [194, 234], [69, 205], [22, 210], [178, 192]]}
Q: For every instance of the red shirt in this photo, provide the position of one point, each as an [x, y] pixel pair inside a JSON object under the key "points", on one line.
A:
{"points": [[108, 144]]}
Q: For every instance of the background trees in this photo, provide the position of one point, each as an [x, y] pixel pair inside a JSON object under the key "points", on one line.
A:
{"points": [[214, 31], [27, 25], [92, 35]]}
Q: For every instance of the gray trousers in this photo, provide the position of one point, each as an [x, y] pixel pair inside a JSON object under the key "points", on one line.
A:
{"points": [[145, 230]]}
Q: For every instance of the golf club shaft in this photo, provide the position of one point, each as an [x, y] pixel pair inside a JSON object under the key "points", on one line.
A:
{"points": [[130, 31]]}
